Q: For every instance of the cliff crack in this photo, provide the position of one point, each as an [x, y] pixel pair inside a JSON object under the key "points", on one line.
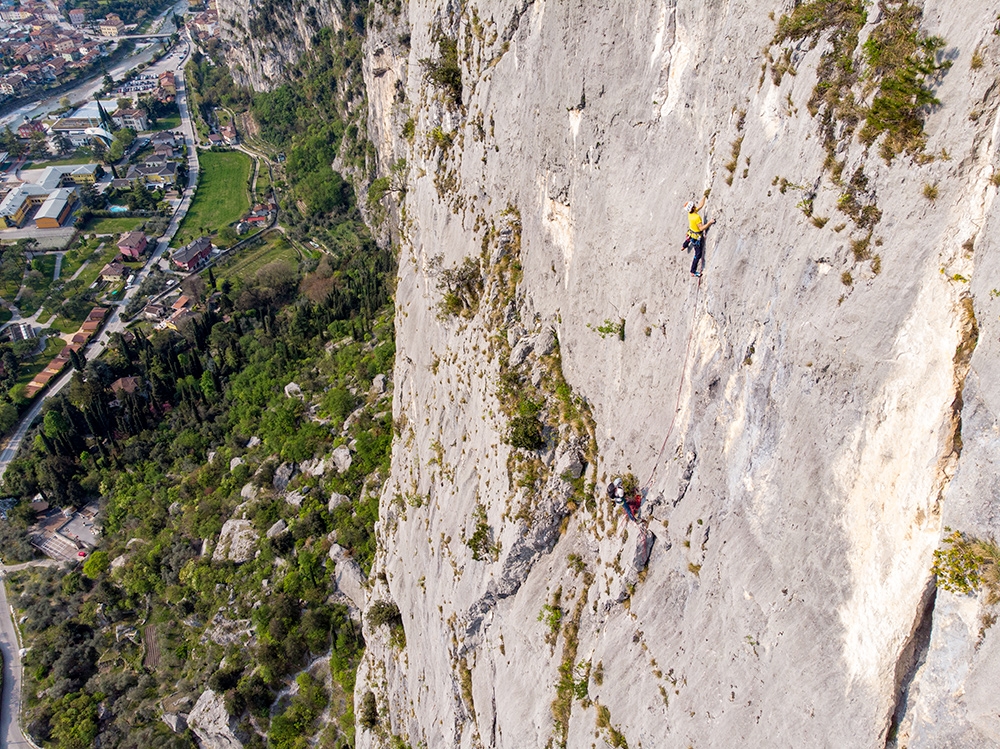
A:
{"points": [[911, 658]]}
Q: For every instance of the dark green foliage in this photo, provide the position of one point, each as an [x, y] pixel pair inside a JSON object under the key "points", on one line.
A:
{"points": [[383, 613], [897, 58], [904, 61], [445, 72], [369, 711], [461, 287]]}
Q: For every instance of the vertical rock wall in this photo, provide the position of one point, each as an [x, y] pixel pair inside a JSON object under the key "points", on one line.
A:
{"points": [[797, 427], [262, 39]]}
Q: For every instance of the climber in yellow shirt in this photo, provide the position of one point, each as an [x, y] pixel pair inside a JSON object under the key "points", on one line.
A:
{"points": [[696, 233]]}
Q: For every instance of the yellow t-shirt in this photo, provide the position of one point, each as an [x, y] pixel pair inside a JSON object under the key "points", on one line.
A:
{"points": [[694, 225]]}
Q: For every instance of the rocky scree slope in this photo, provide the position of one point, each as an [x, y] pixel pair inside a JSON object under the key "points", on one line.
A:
{"points": [[834, 375]]}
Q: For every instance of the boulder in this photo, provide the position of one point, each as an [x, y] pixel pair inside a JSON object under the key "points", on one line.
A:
{"points": [[175, 508], [350, 420], [249, 492], [118, 562], [545, 342], [295, 498], [283, 476], [341, 459], [176, 722], [292, 390], [253, 442], [336, 500], [315, 467], [569, 464], [277, 529], [520, 352], [350, 581], [235, 462], [378, 384], [211, 723], [236, 542]]}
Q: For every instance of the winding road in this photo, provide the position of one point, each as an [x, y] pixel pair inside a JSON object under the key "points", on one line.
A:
{"points": [[11, 736]]}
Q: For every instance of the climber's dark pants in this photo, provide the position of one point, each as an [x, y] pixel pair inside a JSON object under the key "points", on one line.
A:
{"points": [[698, 245]]}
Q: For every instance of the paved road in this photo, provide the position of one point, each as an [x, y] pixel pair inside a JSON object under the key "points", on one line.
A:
{"points": [[11, 736]]}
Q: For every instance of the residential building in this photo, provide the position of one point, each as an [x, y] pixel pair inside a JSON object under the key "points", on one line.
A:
{"points": [[112, 26], [56, 208], [156, 174], [125, 385], [133, 244], [27, 128], [78, 16], [191, 255], [229, 135], [133, 118], [167, 83], [153, 312], [113, 271], [163, 138]]}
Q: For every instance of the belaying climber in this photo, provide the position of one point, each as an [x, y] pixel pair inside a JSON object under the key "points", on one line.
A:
{"points": [[628, 497], [696, 233]]}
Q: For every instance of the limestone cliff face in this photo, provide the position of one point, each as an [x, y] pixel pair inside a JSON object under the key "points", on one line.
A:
{"points": [[263, 38], [795, 412]]}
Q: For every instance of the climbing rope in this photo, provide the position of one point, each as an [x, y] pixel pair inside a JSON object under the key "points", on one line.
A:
{"points": [[680, 388]]}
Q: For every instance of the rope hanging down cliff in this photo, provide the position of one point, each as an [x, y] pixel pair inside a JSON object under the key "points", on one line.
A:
{"points": [[680, 388]]}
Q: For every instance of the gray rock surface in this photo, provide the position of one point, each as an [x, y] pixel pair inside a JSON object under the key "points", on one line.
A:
{"points": [[277, 529], [336, 500], [797, 422], [349, 577], [176, 722], [292, 390], [283, 476], [237, 541], [341, 458], [235, 462], [249, 492], [378, 384], [211, 723], [793, 413], [315, 467]]}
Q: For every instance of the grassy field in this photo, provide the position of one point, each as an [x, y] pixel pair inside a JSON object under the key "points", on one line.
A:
{"points": [[167, 123], [97, 263], [73, 259], [112, 225], [246, 262], [221, 197], [82, 156]]}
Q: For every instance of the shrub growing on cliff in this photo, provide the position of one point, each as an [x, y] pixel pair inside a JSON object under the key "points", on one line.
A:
{"points": [[462, 287], [445, 72], [968, 564], [368, 716]]}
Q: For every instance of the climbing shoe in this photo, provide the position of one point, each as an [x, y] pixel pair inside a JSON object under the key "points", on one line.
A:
{"points": [[696, 274]]}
